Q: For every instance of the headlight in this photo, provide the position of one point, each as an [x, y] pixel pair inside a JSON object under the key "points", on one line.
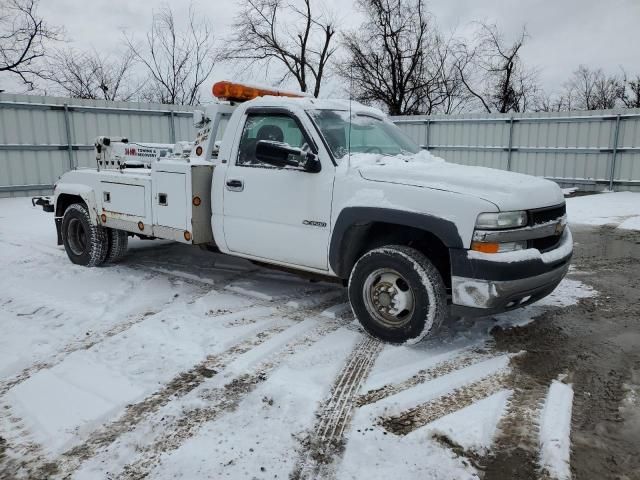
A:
{"points": [[500, 220]]}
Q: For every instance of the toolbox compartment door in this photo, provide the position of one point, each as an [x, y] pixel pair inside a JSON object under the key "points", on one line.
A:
{"points": [[123, 198], [170, 200]]}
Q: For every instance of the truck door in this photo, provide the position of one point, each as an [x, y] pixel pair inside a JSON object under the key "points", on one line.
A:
{"points": [[281, 214]]}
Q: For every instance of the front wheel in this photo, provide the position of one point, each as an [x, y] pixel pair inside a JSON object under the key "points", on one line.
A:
{"points": [[397, 294], [86, 244]]}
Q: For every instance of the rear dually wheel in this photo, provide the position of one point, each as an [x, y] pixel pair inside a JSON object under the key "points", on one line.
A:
{"points": [[118, 241]]}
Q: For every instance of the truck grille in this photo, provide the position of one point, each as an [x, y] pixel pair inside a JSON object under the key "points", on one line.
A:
{"points": [[545, 244], [548, 214], [545, 215]]}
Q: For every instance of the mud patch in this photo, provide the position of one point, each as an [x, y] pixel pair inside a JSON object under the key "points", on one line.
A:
{"points": [[467, 455], [423, 414], [464, 360], [595, 343]]}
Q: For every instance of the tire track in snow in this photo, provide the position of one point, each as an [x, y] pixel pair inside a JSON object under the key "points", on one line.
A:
{"points": [[38, 247], [465, 359], [77, 345], [326, 442], [221, 400], [31, 450], [181, 385], [88, 342], [17, 452], [33, 462], [421, 415], [232, 276], [518, 430], [82, 343], [178, 387]]}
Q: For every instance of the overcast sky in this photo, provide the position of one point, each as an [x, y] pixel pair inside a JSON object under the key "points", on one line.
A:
{"points": [[563, 33]]}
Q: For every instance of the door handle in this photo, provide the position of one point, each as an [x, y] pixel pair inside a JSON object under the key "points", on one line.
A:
{"points": [[235, 185]]}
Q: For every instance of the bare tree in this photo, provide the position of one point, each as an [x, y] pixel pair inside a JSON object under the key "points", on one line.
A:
{"points": [[177, 61], [23, 38], [92, 75], [493, 71], [398, 59], [630, 96], [546, 102], [593, 89], [291, 35]]}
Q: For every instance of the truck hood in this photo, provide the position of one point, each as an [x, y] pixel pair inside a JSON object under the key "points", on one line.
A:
{"points": [[507, 190]]}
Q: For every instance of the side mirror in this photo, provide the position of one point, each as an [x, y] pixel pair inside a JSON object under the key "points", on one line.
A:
{"points": [[281, 154]]}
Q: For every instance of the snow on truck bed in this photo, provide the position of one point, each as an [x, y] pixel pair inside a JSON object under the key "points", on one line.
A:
{"points": [[181, 363]]}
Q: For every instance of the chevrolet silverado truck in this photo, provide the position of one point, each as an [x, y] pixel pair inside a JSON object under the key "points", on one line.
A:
{"points": [[334, 189]]}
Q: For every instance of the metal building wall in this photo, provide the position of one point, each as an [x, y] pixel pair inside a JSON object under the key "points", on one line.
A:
{"points": [[592, 150], [42, 137]]}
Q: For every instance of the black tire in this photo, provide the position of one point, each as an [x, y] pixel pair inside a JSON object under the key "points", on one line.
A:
{"points": [[415, 303], [86, 244], [118, 241]]}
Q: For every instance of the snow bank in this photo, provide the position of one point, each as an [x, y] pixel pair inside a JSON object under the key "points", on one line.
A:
{"points": [[620, 209], [555, 429]]}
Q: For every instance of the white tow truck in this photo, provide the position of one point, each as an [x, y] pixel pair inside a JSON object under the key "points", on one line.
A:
{"points": [[334, 189]]}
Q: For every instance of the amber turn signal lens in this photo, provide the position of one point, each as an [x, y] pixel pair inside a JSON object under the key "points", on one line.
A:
{"points": [[141, 226], [196, 201], [187, 235], [485, 247], [198, 150], [103, 217], [238, 92]]}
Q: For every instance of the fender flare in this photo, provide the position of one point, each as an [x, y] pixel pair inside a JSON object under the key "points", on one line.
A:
{"points": [[83, 191], [353, 222]]}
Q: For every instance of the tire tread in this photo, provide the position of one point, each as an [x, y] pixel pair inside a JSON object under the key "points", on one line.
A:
{"points": [[431, 280], [97, 236], [118, 243]]}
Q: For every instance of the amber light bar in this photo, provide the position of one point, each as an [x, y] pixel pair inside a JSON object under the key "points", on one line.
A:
{"points": [[237, 92]]}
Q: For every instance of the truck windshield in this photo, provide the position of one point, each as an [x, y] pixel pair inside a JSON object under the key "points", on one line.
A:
{"points": [[369, 134]]}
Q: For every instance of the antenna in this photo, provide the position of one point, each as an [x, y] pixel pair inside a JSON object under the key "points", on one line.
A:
{"points": [[350, 99]]}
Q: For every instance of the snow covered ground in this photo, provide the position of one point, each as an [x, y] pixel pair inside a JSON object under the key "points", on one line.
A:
{"points": [[179, 363], [618, 209]]}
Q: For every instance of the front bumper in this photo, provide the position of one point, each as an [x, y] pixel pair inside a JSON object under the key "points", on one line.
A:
{"points": [[485, 284]]}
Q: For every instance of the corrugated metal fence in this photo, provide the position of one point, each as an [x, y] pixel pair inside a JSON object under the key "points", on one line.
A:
{"points": [[42, 137], [591, 150]]}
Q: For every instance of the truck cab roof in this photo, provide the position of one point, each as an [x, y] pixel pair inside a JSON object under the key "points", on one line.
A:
{"points": [[311, 103]]}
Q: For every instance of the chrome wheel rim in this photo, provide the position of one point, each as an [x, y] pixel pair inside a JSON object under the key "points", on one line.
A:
{"points": [[388, 298], [77, 236]]}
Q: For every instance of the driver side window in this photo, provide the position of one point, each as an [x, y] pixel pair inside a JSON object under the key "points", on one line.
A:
{"points": [[278, 128]]}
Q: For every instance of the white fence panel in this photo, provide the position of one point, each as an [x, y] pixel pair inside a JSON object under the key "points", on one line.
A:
{"points": [[593, 150], [43, 137]]}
